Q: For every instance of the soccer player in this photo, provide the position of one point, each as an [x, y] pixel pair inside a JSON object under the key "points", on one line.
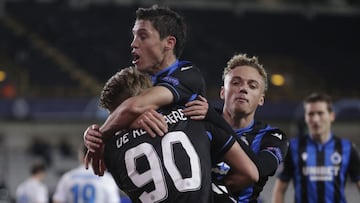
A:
{"points": [[81, 185], [33, 190], [159, 35], [318, 162], [245, 84], [177, 166], [158, 40]]}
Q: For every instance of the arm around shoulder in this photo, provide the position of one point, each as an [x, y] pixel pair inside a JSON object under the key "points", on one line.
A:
{"points": [[131, 108], [243, 170]]}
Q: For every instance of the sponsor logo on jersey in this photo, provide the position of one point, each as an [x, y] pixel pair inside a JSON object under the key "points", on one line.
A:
{"points": [[185, 68], [278, 135], [171, 80], [243, 138], [322, 173]]}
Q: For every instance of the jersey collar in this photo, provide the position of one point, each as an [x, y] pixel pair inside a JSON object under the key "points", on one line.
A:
{"points": [[248, 128], [170, 69]]}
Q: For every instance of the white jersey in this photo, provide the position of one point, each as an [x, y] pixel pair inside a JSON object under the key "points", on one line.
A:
{"points": [[32, 191], [80, 185]]}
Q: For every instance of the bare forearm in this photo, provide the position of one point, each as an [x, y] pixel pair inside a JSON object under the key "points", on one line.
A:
{"points": [[116, 122], [235, 182], [278, 197], [279, 191], [120, 118]]}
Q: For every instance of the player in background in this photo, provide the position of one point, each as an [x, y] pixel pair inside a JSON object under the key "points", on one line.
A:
{"points": [[33, 190], [81, 185], [319, 162]]}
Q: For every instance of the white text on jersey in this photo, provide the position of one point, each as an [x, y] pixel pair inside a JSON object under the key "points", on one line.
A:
{"points": [[171, 118]]}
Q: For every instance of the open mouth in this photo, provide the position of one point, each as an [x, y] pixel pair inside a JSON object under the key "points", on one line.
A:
{"points": [[135, 58]]}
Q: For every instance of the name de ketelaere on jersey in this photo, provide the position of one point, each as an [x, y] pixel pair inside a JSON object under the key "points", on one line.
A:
{"points": [[320, 170], [172, 168]]}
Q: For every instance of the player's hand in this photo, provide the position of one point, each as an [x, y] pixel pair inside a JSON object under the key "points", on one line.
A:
{"points": [[197, 109], [93, 138], [97, 161], [152, 122]]}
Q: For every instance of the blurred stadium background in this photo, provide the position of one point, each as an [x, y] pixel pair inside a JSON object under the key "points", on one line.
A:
{"points": [[55, 56]]}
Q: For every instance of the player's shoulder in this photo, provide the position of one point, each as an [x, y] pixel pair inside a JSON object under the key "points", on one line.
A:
{"points": [[274, 135], [76, 171], [336, 137], [187, 67], [107, 178], [275, 131], [268, 130], [345, 141]]}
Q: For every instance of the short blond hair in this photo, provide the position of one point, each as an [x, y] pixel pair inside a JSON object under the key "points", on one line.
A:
{"points": [[124, 84], [244, 60]]}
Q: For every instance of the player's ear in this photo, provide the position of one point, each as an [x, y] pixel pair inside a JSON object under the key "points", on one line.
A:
{"points": [[261, 100], [170, 42], [332, 116], [222, 94]]}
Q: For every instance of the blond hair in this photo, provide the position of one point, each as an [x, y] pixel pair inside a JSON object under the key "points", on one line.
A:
{"points": [[244, 60], [124, 84]]}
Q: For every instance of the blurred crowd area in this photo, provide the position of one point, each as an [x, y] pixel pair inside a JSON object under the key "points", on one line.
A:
{"points": [[68, 49]]}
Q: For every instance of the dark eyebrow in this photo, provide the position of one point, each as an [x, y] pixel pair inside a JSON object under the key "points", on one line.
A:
{"points": [[140, 30]]}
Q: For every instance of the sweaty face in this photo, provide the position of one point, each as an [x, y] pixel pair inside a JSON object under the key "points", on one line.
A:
{"points": [[243, 90], [318, 119], [147, 48]]}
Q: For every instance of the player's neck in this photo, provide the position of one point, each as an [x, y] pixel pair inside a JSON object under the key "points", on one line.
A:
{"points": [[321, 138], [167, 61], [237, 121]]}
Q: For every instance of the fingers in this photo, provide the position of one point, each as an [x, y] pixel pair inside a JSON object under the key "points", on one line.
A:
{"points": [[87, 159], [152, 122], [102, 167], [148, 129], [95, 165], [202, 98], [200, 117], [196, 109], [97, 161], [93, 138]]}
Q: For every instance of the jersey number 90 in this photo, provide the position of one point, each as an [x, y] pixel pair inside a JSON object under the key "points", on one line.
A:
{"points": [[155, 173]]}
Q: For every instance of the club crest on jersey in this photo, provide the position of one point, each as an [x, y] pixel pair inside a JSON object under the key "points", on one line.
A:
{"points": [[336, 158]]}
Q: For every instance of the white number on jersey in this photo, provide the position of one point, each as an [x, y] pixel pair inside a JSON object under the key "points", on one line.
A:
{"points": [[155, 173]]}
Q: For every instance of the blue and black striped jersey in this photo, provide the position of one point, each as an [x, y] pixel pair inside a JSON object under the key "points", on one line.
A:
{"points": [[270, 144], [319, 171]]}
